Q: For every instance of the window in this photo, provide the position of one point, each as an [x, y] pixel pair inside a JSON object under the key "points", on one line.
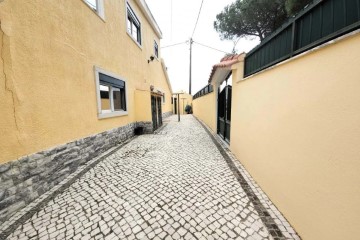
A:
{"points": [[111, 94], [133, 25], [97, 6], [163, 98], [156, 49]]}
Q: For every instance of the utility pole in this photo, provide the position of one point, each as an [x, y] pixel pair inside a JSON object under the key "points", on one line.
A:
{"points": [[191, 43], [177, 95]]}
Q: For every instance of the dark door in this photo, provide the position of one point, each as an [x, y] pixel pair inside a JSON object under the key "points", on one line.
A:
{"points": [[175, 105], [154, 113], [224, 113]]}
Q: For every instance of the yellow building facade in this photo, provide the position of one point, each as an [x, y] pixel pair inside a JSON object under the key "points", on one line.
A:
{"points": [[73, 72]]}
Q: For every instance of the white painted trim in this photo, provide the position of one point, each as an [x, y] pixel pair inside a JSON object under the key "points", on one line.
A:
{"points": [[315, 49], [100, 9], [145, 9], [141, 24], [166, 75], [113, 114], [102, 115], [132, 38]]}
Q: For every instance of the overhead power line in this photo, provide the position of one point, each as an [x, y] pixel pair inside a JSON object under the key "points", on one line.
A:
{"points": [[175, 44], [197, 20], [211, 47], [171, 19]]}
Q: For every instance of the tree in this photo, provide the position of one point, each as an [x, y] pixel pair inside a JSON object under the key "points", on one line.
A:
{"points": [[257, 18], [294, 6]]}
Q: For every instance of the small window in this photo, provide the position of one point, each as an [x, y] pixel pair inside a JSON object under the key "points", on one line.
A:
{"points": [[97, 6], [133, 25], [163, 98], [111, 95], [156, 49]]}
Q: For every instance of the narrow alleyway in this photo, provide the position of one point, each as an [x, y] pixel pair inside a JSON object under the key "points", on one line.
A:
{"points": [[175, 184]]}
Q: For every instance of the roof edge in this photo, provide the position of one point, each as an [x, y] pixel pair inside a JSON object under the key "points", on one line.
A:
{"points": [[226, 63], [149, 16], [166, 75]]}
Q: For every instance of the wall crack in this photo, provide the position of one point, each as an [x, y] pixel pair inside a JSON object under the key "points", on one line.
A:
{"points": [[6, 79]]}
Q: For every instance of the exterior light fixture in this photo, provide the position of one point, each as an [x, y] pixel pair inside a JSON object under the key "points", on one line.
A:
{"points": [[152, 57]]}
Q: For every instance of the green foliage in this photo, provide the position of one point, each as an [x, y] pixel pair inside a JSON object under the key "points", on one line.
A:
{"points": [[294, 6], [188, 109], [256, 18]]}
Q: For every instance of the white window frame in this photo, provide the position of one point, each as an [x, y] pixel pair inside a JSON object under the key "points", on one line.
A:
{"points": [[109, 113], [129, 7], [99, 8]]}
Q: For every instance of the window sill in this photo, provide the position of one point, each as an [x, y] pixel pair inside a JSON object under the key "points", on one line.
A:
{"points": [[134, 40], [112, 114]]}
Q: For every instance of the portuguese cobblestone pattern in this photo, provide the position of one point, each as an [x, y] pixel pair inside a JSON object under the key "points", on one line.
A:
{"points": [[275, 222], [175, 184], [27, 178], [167, 114]]}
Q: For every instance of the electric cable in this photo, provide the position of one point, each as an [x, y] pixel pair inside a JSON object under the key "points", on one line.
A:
{"points": [[175, 44], [197, 20], [211, 48]]}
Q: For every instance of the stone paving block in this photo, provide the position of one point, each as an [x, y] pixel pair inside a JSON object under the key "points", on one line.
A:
{"points": [[152, 189]]}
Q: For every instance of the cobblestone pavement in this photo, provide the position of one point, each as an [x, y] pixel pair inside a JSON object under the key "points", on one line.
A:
{"points": [[175, 184]]}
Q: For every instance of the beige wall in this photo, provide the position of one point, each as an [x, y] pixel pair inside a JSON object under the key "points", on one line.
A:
{"points": [[296, 128], [50, 94], [143, 98], [205, 109]]}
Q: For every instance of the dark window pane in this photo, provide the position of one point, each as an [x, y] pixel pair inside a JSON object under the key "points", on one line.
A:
{"points": [[117, 99], [123, 99]]}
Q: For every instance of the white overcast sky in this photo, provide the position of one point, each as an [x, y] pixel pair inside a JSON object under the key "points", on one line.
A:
{"points": [[177, 24]]}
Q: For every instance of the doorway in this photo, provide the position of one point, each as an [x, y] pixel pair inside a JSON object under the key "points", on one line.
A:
{"points": [[156, 111]]}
